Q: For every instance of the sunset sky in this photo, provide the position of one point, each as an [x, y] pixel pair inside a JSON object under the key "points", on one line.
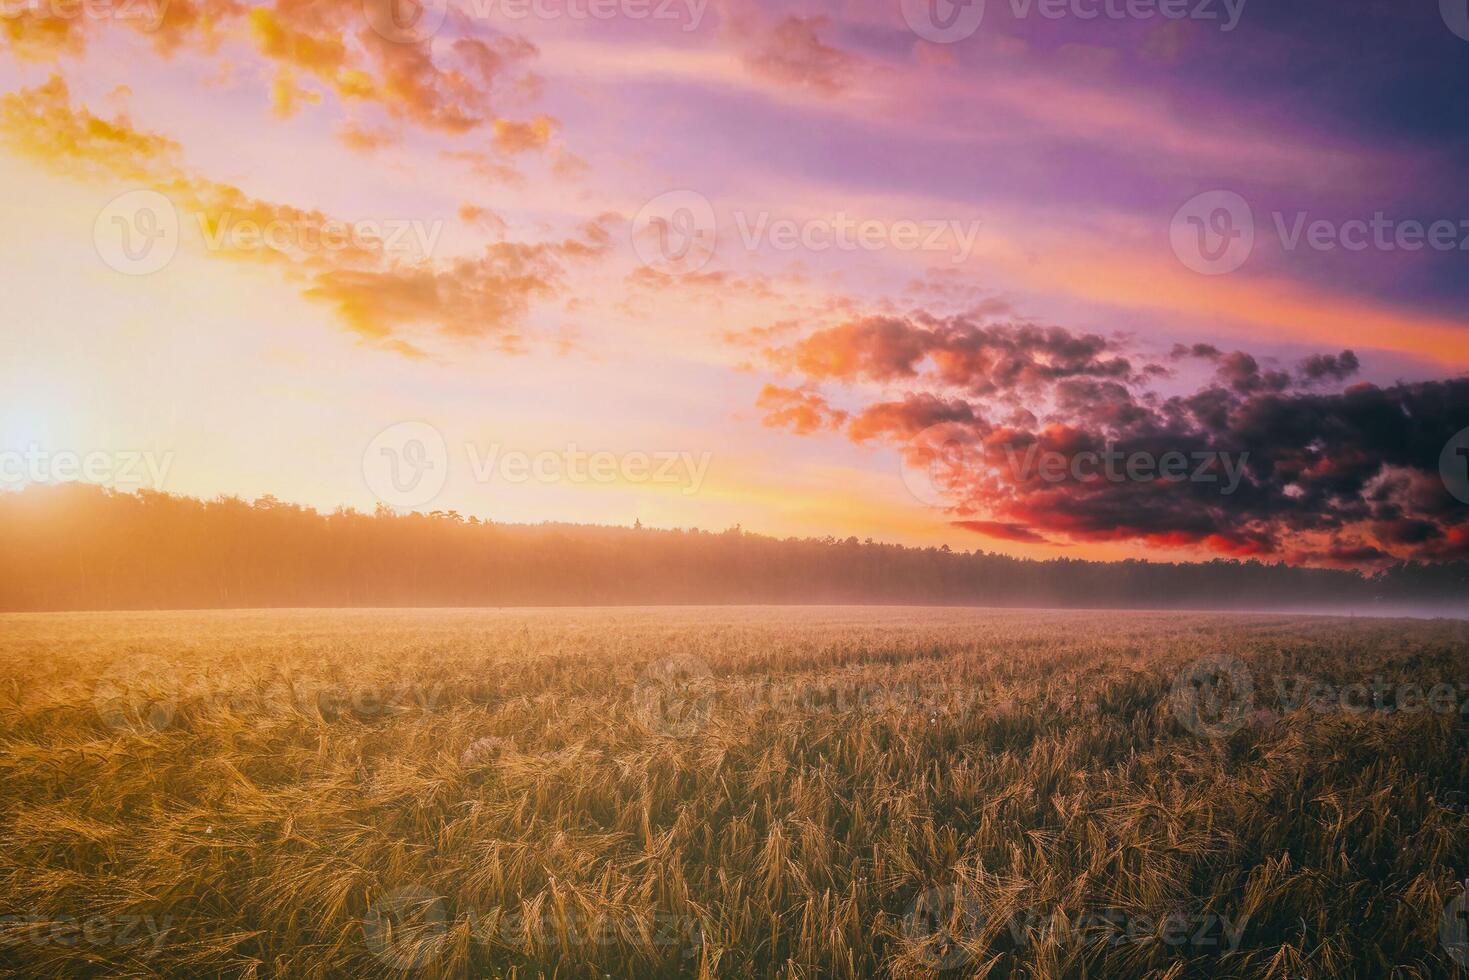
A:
{"points": [[992, 232]]}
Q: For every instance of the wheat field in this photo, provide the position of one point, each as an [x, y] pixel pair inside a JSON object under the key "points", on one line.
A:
{"points": [[732, 792]]}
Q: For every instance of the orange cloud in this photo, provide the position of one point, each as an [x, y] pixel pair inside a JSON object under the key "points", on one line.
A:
{"points": [[485, 166], [365, 139], [804, 412], [473, 214], [449, 88], [39, 123], [791, 53], [787, 52], [39, 35], [378, 294], [474, 298], [518, 137]]}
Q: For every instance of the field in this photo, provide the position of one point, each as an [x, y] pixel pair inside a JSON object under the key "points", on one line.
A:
{"points": [[819, 792]]}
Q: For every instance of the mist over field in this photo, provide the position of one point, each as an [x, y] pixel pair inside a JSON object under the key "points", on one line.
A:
{"points": [[230, 553]]}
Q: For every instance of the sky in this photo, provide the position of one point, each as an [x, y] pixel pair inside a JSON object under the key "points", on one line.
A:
{"points": [[847, 268]]}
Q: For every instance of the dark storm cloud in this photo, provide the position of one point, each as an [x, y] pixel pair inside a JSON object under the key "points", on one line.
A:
{"points": [[982, 359], [1259, 461]]}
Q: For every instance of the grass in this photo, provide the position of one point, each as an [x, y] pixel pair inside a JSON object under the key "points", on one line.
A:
{"points": [[830, 792]]}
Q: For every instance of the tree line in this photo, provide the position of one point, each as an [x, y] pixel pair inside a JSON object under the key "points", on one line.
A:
{"points": [[79, 546]]}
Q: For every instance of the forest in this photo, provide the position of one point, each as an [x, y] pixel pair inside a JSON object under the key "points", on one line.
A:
{"points": [[78, 546]]}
